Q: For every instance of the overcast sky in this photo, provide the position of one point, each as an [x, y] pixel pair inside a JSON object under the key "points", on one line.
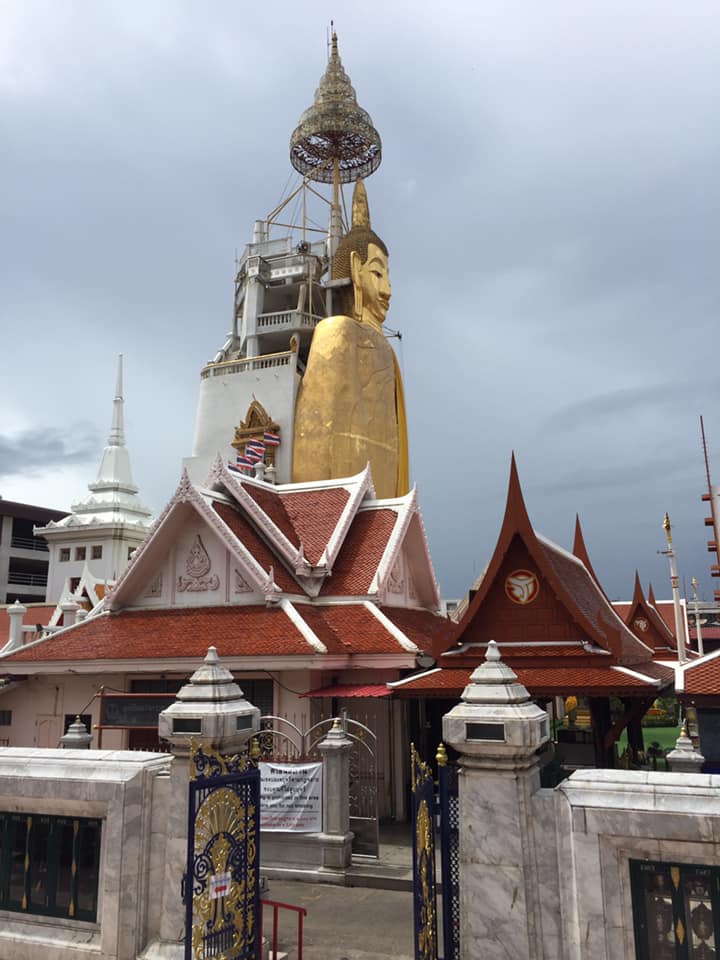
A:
{"points": [[549, 194]]}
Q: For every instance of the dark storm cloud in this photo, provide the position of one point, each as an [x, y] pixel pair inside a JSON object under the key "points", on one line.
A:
{"points": [[548, 192], [46, 449]]}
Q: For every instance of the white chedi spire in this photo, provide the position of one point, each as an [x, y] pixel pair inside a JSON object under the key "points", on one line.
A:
{"points": [[114, 472], [117, 431], [113, 496], [94, 542]]}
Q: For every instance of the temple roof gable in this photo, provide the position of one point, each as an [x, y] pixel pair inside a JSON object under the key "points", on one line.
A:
{"points": [[576, 607]]}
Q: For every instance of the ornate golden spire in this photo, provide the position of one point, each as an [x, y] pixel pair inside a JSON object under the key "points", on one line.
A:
{"points": [[335, 139]]}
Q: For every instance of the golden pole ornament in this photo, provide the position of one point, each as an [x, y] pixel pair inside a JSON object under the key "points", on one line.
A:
{"points": [[335, 140]]}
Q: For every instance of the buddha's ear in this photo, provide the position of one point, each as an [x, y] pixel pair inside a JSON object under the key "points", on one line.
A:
{"points": [[355, 267]]}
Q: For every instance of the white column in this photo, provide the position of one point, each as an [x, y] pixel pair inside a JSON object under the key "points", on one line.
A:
{"points": [[498, 731], [15, 612]]}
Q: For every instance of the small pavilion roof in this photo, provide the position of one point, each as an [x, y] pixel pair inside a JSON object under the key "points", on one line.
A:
{"points": [[647, 624], [570, 605], [551, 618]]}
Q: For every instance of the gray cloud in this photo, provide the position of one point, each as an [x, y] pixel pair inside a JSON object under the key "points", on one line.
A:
{"points": [[548, 192], [44, 449]]}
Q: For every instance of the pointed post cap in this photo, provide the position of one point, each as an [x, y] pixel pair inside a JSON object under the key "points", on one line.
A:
{"points": [[335, 739], [494, 681], [496, 722], [685, 758], [212, 707], [335, 131], [78, 737]]}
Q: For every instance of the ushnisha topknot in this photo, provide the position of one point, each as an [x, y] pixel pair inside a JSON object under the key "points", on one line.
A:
{"points": [[357, 239]]}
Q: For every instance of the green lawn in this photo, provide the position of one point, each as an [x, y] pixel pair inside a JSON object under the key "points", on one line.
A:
{"points": [[665, 736]]}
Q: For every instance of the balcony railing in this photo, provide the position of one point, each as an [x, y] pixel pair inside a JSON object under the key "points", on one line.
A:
{"points": [[247, 364], [28, 543], [28, 579], [287, 320]]}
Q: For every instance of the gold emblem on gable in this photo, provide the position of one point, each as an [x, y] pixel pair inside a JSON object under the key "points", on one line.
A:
{"points": [[522, 587]]}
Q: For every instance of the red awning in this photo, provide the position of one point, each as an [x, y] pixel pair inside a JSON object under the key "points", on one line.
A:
{"points": [[351, 690]]}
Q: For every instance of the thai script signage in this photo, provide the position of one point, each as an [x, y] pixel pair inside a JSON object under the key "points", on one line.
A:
{"points": [[133, 710], [291, 797]]}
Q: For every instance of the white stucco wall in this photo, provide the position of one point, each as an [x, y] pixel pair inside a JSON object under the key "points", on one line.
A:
{"points": [[223, 403], [40, 703]]}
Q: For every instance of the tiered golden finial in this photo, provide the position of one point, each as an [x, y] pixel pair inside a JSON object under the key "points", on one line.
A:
{"points": [[335, 140]]}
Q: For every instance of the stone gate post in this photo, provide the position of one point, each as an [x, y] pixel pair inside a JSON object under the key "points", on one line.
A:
{"points": [[336, 836], [212, 710], [498, 732]]}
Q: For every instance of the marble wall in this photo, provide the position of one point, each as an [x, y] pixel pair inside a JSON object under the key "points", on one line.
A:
{"points": [[604, 819], [545, 873], [128, 792]]}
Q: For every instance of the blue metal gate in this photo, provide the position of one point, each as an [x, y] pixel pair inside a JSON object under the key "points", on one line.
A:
{"points": [[425, 807], [221, 888]]}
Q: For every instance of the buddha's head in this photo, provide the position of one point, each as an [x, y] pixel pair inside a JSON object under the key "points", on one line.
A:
{"points": [[362, 257]]}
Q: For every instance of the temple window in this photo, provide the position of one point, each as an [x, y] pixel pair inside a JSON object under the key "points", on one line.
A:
{"points": [[49, 865], [96, 552], [80, 553], [64, 554], [675, 908]]}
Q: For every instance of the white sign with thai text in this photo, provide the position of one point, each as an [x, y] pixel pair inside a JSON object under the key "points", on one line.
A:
{"points": [[291, 797]]}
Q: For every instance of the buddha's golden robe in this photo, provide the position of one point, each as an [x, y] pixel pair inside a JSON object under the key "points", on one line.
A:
{"points": [[351, 409]]}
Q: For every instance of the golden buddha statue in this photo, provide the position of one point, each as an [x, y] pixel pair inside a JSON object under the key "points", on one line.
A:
{"points": [[350, 408]]}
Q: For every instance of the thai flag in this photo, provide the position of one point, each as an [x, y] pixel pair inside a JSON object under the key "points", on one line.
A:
{"points": [[271, 439], [241, 465], [255, 445], [252, 455]]}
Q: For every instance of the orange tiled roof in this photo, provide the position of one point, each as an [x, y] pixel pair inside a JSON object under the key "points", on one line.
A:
{"points": [[360, 554], [425, 629], [349, 628], [307, 517], [703, 678], [589, 597], [175, 632], [257, 547], [236, 631], [359, 628], [553, 681], [315, 515]]}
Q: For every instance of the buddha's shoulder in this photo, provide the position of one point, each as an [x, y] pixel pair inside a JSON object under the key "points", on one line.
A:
{"points": [[338, 323], [345, 328]]}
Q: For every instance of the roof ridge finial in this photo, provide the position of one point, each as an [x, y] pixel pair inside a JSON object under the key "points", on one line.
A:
{"points": [[117, 428]]}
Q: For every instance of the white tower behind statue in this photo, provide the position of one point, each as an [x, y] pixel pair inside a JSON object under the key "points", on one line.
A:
{"points": [[102, 530], [250, 386]]}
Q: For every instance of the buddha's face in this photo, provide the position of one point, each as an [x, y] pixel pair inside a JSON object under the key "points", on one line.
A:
{"points": [[373, 280]]}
